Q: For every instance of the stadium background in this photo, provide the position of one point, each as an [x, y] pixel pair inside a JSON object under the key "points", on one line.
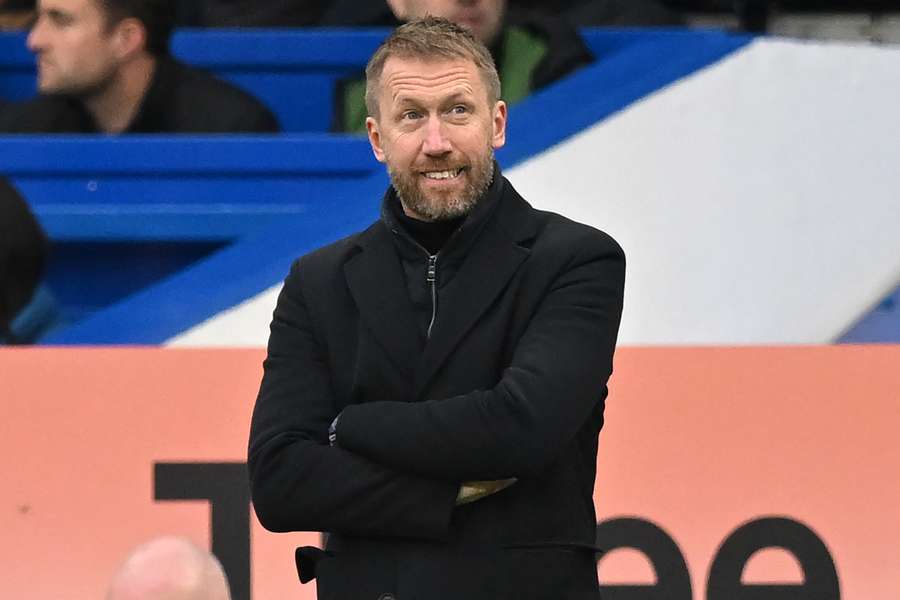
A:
{"points": [[752, 182]]}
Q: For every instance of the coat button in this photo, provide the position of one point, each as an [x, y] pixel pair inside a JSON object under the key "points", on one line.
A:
{"points": [[387, 596]]}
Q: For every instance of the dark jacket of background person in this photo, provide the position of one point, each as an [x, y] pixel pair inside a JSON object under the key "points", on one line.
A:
{"points": [[532, 51], [23, 255], [511, 383], [180, 99]]}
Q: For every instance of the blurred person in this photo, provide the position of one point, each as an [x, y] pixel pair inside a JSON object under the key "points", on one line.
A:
{"points": [[435, 384], [530, 50], [23, 258], [104, 67], [169, 568]]}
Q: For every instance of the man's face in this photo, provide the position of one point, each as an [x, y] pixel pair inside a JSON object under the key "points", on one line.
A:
{"points": [[482, 17], [436, 131], [75, 48]]}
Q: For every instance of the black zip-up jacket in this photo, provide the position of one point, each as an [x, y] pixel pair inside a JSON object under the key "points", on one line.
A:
{"points": [[511, 383], [427, 272]]}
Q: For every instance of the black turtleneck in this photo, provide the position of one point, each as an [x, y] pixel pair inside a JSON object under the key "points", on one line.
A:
{"points": [[431, 235]]}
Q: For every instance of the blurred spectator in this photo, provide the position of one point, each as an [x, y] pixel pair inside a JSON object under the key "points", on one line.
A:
{"points": [[104, 66], [530, 49], [169, 569], [23, 255], [16, 14]]}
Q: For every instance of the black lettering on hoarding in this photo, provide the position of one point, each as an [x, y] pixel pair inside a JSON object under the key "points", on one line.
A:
{"points": [[673, 582], [820, 574], [226, 487]]}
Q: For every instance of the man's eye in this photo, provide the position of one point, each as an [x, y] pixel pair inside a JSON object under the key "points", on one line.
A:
{"points": [[60, 19], [411, 115], [459, 110]]}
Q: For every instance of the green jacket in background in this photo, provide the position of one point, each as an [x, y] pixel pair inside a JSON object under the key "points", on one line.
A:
{"points": [[532, 51]]}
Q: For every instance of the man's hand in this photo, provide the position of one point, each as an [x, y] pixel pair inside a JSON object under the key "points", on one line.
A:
{"points": [[470, 491]]}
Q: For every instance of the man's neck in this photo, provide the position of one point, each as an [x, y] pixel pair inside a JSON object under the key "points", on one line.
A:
{"points": [[115, 107]]}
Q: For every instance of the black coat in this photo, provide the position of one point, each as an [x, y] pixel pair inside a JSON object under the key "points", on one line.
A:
{"points": [[511, 383]]}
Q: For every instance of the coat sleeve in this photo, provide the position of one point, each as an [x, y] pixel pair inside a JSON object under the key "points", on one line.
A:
{"points": [[556, 378], [298, 482]]}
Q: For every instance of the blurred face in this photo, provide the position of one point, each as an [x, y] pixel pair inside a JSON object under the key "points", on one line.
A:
{"points": [[482, 17], [436, 131], [75, 48]]}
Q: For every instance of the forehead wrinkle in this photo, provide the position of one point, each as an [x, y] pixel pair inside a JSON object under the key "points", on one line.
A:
{"points": [[458, 79]]}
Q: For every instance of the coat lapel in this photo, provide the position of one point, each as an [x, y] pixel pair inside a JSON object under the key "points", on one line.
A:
{"points": [[376, 282], [492, 261]]}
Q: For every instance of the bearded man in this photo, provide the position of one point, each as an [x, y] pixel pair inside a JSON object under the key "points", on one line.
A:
{"points": [[434, 385]]}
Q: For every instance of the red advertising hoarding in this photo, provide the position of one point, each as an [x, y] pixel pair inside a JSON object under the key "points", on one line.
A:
{"points": [[711, 459]]}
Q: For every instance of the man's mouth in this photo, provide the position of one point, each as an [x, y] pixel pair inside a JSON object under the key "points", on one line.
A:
{"points": [[451, 174]]}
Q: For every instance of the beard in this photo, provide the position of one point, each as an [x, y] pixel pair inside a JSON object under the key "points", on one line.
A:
{"points": [[434, 206]]}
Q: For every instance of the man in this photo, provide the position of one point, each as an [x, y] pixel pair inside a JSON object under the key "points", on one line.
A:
{"points": [[435, 384], [169, 568], [104, 67], [531, 50]]}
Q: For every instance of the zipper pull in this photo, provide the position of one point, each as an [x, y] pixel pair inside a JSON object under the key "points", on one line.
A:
{"points": [[431, 276]]}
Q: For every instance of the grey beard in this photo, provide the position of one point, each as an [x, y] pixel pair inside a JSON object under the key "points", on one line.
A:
{"points": [[479, 179]]}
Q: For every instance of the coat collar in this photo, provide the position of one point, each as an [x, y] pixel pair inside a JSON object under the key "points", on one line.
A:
{"points": [[376, 281]]}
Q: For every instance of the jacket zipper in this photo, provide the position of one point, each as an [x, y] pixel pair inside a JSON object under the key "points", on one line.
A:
{"points": [[431, 279]]}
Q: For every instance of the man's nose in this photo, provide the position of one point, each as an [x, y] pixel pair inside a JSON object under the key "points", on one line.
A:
{"points": [[35, 40], [436, 141]]}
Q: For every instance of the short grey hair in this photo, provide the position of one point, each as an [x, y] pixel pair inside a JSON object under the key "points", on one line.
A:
{"points": [[430, 38]]}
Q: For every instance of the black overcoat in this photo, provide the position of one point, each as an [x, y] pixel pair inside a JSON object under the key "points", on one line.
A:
{"points": [[511, 383]]}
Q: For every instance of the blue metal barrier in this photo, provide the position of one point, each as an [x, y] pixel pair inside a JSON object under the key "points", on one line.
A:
{"points": [[124, 213], [153, 188]]}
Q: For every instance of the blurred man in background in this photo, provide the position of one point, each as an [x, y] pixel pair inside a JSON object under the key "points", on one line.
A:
{"points": [[169, 568], [104, 67], [530, 49]]}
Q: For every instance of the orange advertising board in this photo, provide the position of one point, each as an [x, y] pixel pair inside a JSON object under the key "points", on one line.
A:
{"points": [[708, 455]]}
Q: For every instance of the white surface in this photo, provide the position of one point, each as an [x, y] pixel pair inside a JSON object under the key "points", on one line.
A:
{"points": [[758, 201], [246, 324]]}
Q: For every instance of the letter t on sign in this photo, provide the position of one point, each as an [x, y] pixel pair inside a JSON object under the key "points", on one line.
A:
{"points": [[227, 487]]}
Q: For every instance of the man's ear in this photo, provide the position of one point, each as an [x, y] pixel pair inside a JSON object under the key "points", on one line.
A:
{"points": [[375, 138], [130, 37], [498, 123]]}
